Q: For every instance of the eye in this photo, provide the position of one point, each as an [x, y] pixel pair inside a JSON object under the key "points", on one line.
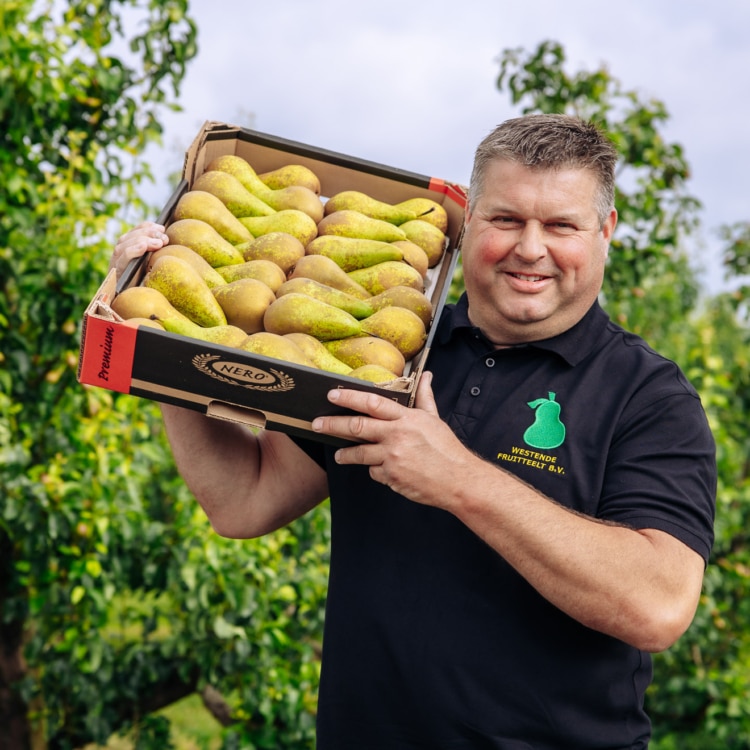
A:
{"points": [[506, 221]]}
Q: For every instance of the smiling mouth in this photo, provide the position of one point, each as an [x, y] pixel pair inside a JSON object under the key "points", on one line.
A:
{"points": [[526, 277]]}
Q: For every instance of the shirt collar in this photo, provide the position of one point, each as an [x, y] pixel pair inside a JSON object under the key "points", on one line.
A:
{"points": [[573, 345]]}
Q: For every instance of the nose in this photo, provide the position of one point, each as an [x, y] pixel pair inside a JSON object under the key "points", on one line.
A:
{"points": [[531, 245]]}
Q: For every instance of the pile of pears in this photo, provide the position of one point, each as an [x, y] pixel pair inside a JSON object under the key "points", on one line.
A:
{"points": [[261, 263]]}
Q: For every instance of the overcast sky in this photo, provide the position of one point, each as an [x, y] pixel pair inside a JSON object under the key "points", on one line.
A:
{"points": [[413, 84]]}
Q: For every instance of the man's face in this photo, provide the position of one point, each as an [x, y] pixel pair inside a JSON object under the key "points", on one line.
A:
{"points": [[533, 251]]}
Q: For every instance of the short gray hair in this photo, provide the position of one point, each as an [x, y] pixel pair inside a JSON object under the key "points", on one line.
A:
{"points": [[550, 141]]}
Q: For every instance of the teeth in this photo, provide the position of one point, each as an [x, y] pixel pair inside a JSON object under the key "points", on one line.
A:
{"points": [[527, 278]]}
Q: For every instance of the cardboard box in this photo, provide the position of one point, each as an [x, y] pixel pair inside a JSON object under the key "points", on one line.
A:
{"points": [[228, 383]]}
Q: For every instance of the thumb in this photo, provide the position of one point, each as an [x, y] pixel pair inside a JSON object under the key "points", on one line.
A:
{"points": [[425, 399]]}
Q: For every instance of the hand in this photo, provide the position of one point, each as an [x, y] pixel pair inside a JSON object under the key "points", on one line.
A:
{"points": [[146, 237], [411, 450]]}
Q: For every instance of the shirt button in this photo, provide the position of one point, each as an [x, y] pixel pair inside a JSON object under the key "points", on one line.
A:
{"points": [[490, 362], [475, 391]]}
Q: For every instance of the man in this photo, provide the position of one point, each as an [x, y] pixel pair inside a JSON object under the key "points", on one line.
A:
{"points": [[507, 553]]}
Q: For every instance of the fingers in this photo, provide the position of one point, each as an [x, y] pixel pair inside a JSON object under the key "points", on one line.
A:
{"points": [[146, 237]]}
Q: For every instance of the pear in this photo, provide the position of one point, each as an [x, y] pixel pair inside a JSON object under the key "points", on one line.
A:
{"points": [[200, 236], [427, 210], [355, 306], [367, 350], [270, 273], [405, 296], [291, 174], [428, 237], [357, 201], [233, 194], [198, 204], [143, 302], [327, 272], [183, 286], [318, 354], [276, 346], [244, 302], [351, 253], [147, 322], [291, 221], [294, 197], [373, 373], [280, 247], [384, 275], [403, 328], [300, 313], [414, 255], [350, 223], [208, 273], [225, 335]]}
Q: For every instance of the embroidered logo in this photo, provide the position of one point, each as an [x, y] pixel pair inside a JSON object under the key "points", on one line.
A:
{"points": [[547, 431]]}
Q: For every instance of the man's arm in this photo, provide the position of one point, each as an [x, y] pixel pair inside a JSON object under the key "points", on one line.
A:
{"points": [[641, 586]]}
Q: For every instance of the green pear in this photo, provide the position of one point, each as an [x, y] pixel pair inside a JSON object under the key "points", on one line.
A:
{"points": [[244, 302], [355, 306], [414, 255], [403, 328], [318, 354], [428, 210], [357, 201], [143, 302], [276, 346], [373, 373], [200, 236], [351, 253], [382, 276], [270, 273], [295, 197], [367, 350], [183, 286], [225, 335], [146, 322], [327, 272], [428, 237], [280, 247], [208, 273], [349, 223], [198, 204], [405, 296], [290, 221], [291, 174], [233, 194], [300, 313]]}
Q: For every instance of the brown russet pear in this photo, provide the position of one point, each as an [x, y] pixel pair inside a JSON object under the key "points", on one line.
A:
{"points": [[403, 328], [198, 204], [368, 350], [276, 346], [244, 302], [357, 201], [318, 354], [428, 237], [294, 197], [414, 255], [291, 174], [270, 273], [225, 335], [290, 221], [350, 223], [351, 253], [405, 296], [378, 278], [280, 247], [355, 306], [300, 313], [183, 286], [427, 210], [200, 236], [232, 193], [327, 272], [373, 374], [143, 302], [208, 273]]}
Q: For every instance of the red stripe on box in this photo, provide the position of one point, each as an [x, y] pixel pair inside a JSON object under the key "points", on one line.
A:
{"points": [[107, 357], [455, 192]]}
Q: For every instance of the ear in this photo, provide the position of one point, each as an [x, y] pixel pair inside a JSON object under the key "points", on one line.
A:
{"points": [[608, 229]]}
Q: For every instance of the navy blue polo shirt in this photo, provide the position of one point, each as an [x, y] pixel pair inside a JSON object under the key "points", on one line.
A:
{"points": [[431, 639]]}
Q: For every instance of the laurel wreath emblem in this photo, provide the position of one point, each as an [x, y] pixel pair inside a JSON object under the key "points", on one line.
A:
{"points": [[203, 363]]}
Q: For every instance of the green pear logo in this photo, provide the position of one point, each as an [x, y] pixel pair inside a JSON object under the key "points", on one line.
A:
{"points": [[547, 431]]}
